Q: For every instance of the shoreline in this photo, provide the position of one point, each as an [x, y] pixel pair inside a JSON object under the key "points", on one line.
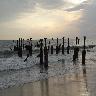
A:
{"points": [[53, 86]]}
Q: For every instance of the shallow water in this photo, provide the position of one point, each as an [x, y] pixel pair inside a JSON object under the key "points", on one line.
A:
{"points": [[63, 77], [73, 84]]}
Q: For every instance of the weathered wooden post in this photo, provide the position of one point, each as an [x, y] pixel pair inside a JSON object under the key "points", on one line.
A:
{"points": [[76, 40], [23, 44], [30, 41], [84, 52], [17, 44], [41, 51], [68, 47], [83, 57], [13, 46], [20, 49], [63, 46], [57, 47], [51, 49], [30, 49], [45, 55], [84, 42]]}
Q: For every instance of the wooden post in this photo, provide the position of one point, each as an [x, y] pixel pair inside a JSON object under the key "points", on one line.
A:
{"points": [[84, 41], [45, 46], [51, 49], [23, 44], [45, 55], [45, 41], [41, 51], [76, 40], [83, 57], [63, 46], [30, 49], [68, 47], [84, 52], [19, 42], [19, 49], [57, 47]]}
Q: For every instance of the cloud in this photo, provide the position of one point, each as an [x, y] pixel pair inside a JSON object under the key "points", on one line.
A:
{"points": [[87, 24], [78, 7], [12, 8], [51, 4], [62, 19]]}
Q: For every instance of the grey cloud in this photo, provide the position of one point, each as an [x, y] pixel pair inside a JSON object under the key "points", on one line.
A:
{"points": [[11, 8], [51, 4], [78, 7], [88, 24]]}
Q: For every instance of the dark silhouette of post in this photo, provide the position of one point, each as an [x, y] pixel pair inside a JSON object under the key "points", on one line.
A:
{"points": [[57, 47], [68, 47], [84, 52], [41, 51], [84, 41], [17, 44], [76, 40], [45, 55], [51, 49], [23, 44], [20, 49], [63, 46], [30, 49], [13, 45]]}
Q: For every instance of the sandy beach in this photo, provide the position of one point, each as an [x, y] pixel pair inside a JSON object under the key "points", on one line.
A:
{"points": [[74, 84]]}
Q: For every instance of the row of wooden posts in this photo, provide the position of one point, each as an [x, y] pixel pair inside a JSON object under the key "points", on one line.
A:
{"points": [[20, 45]]}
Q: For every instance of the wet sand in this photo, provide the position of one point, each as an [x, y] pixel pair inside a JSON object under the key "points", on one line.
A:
{"points": [[74, 84]]}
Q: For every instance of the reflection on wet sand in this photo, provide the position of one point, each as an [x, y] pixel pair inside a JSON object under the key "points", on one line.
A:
{"points": [[73, 84], [85, 78]]}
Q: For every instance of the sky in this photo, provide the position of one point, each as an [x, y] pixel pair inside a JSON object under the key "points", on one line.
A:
{"points": [[47, 18]]}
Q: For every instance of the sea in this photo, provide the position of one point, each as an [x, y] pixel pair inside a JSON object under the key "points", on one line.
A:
{"points": [[15, 72]]}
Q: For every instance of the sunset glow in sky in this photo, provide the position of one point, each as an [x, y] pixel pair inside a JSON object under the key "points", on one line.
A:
{"points": [[47, 18]]}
